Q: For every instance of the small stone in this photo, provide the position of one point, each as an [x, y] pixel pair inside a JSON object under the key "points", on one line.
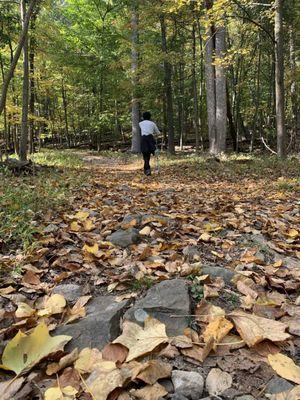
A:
{"points": [[163, 301], [245, 397], [167, 384], [188, 384], [177, 396], [215, 272], [278, 385], [191, 252], [124, 238], [71, 292]]}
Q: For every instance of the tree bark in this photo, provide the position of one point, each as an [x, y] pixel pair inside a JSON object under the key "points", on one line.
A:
{"points": [[195, 91], [25, 91], [22, 39], [168, 86], [279, 81], [293, 90], [135, 111]]}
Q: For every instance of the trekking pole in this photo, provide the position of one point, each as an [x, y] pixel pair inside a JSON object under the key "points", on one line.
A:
{"points": [[157, 157]]}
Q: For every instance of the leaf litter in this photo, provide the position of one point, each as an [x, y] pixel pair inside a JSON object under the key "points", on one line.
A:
{"points": [[243, 225]]}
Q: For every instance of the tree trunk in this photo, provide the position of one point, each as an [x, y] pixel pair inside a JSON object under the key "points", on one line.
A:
{"points": [[279, 81], [135, 111], [168, 86], [23, 36], [195, 91], [210, 92], [65, 105], [221, 103], [25, 91], [32, 46], [293, 91]]}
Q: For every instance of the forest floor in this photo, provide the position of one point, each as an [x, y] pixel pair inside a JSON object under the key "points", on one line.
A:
{"points": [[193, 215]]}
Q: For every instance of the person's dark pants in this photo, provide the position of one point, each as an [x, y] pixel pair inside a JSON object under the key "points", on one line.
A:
{"points": [[147, 168]]}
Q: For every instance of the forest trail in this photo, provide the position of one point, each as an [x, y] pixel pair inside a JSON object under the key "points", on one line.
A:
{"points": [[227, 230]]}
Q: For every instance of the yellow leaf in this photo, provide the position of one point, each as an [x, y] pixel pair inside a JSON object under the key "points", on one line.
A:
{"points": [[285, 367], [141, 341], [55, 304], [88, 225], [82, 215], [292, 233], [75, 227], [25, 351], [69, 391], [205, 237], [88, 360], [217, 329], [145, 231], [24, 310], [91, 249], [54, 394]]}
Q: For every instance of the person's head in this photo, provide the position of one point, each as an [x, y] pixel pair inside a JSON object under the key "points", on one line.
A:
{"points": [[146, 115]]}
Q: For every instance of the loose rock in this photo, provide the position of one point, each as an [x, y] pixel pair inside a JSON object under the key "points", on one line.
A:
{"points": [[124, 238], [99, 327], [189, 384], [167, 301], [215, 272], [70, 291], [278, 385]]}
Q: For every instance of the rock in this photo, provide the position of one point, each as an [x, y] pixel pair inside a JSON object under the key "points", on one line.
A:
{"points": [[163, 300], [124, 238], [218, 381], [130, 221], [100, 326], [245, 397], [215, 272], [189, 384], [191, 252], [51, 228], [167, 384], [278, 385], [177, 396], [149, 218], [70, 291]]}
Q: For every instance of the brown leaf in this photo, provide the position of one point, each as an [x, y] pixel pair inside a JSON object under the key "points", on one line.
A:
{"points": [[206, 312], [70, 377], [217, 330], [293, 394], [31, 278], [64, 362], [154, 392], [88, 360], [115, 352], [254, 329], [199, 353], [154, 370], [9, 388]]}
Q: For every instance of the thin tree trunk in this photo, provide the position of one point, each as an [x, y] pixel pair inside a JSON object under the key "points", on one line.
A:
{"points": [[6, 136], [221, 103], [195, 91], [279, 81], [65, 105], [135, 111], [32, 46], [168, 86], [22, 39], [232, 130], [25, 91], [293, 90]]}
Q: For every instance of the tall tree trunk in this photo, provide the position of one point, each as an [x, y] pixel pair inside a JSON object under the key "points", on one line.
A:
{"points": [[22, 39], [211, 92], [6, 135], [168, 86], [135, 111], [279, 81], [32, 46], [221, 103], [293, 91], [25, 91], [65, 105], [195, 91]]}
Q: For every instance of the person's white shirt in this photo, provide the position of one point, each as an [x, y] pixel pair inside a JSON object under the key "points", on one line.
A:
{"points": [[148, 128]]}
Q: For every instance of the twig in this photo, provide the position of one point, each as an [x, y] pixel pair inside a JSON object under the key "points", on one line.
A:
{"points": [[267, 147], [86, 386]]}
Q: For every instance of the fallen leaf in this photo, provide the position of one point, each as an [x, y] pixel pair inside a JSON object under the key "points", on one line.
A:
{"points": [[246, 290], [154, 370], [54, 393], [70, 377], [254, 329], [75, 227], [7, 290], [78, 310], [218, 381], [293, 394], [154, 392], [206, 312], [9, 388], [25, 351], [285, 367], [115, 352], [141, 341], [198, 352], [54, 304], [145, 231], [88, 360], [24, 311], [293, 233], [91, 249], [31, 278], [217, 329], [64, 362], [82, 215]]}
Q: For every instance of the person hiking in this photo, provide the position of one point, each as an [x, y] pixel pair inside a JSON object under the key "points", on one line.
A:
{"points": [[148, 143]]}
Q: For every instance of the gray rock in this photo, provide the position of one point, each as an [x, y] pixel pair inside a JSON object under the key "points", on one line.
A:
{"points": [[189, 384], [163, 301], [245, 397], [213, 271], [124, 238], [178, 396], [100, 326], [70, 291], [167, 384], [278, 385], [191, 252]]}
